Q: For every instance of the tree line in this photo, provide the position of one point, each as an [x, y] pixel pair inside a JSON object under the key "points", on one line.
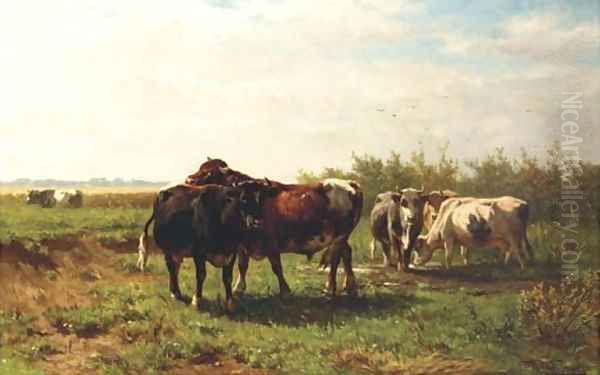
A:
{"points": [[540, 182]]}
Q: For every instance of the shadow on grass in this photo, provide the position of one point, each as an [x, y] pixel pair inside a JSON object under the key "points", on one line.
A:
{"points": [[493, 272], [298, 310]]}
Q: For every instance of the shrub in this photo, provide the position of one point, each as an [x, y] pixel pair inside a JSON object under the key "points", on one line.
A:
{"points": [[560, 312]]}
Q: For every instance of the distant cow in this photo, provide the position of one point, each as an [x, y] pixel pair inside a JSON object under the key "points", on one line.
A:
{"points": [[436, 198], [44, 198], [302, 219], [49, 198], [69, 198], [472, 222], [207, 223], [396, 221]]}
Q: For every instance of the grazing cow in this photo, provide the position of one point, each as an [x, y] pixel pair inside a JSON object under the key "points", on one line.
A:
{"points": [[396, 221], [432, 207], [472, 222], [302, 219], [207, 223], [44, 198]]}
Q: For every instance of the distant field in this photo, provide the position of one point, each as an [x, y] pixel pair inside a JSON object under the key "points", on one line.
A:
{"points": [[85, 190], [81, 307]]}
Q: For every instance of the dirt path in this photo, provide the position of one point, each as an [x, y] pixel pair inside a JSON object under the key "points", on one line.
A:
{"points": [[477, 279]]}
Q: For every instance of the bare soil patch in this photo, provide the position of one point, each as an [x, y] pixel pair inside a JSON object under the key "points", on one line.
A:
{"points": [[61, 275]]}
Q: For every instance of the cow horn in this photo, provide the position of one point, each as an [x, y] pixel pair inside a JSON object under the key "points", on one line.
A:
{"points": [[208, 158], [422, 189], [397, 188], [268, 181]]}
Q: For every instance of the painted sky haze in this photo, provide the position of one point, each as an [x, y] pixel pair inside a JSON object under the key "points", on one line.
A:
{"points": [[147, 89]]}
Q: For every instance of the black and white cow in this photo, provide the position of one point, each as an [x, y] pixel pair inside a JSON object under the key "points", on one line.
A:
{"points": [[49, 198], [396, 221], [44, 198]]}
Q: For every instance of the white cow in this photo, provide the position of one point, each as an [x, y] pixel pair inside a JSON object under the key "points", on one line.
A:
{"points": [[477, 222]]}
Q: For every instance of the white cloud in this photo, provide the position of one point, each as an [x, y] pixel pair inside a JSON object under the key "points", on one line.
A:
{"points": [[148, 89], [533, 36]]}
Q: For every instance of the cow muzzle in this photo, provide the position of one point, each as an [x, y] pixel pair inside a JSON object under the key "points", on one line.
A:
{"points": [[253, 223]]}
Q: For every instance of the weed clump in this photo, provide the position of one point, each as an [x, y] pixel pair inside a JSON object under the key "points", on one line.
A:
{"points": [[563, 311]]}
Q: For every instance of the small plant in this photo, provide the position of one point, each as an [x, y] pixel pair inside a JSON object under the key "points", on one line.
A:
{"points": [[560, 312], [82, 322]]}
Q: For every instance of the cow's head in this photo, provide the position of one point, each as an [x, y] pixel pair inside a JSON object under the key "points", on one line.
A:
{"points": [[423, 250], [212, 171], [410, 205], [217, 207], [437, 197], [253, 194], [30, 197]]}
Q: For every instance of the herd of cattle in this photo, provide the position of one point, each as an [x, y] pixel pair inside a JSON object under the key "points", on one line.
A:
{"points": [[49, 198], [219, 214]]}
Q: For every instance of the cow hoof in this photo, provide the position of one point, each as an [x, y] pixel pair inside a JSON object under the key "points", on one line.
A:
{"points": [[399, 267], [285, 293], [239, 288], [230, 306], [181, 298], [196, 302]]}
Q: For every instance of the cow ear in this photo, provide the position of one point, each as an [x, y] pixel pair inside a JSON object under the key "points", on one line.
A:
{"points": [[396, 198], [208, 158]]}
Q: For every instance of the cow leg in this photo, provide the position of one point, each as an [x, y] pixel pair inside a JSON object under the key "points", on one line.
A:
{"points": [[506, 256], [240, 284], [350, 284], [464, 252], [525, 250], [284, 289], [397, 245], [331, 284], [386, 254], [373, 247], [200, 263], [515, 249], [227, 279], [173, 264], [448, 249]]}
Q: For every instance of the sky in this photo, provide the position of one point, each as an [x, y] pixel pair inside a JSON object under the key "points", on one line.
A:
{"points": [[148, 89]]}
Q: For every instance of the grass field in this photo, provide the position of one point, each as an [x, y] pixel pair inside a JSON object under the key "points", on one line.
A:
{"points": [[78, 306]]}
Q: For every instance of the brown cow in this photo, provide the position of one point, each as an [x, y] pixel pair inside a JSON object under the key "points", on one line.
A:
{"points": [[302, 219]]}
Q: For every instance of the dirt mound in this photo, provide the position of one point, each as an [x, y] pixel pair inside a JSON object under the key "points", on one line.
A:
{"points": [[59, 273]]}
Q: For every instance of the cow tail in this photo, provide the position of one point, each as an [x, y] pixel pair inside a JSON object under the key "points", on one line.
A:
{"points": [[523, 213], [357, 201], [143, 245]]}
